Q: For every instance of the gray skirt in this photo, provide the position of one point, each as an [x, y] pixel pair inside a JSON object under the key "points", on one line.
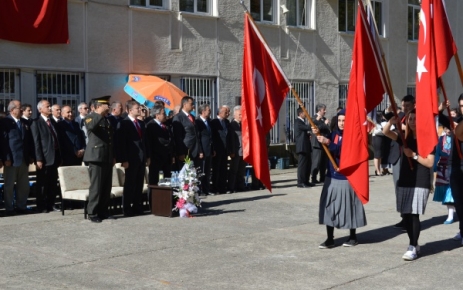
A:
{"points": [[412, 200], [340, 206]]}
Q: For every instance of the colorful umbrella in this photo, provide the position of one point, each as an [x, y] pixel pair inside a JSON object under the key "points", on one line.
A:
{"points": [[148, 89]]}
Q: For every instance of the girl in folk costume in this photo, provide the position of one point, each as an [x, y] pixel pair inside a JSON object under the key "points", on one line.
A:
{"points": [[442, 192], [414, 185], [339, 205]]}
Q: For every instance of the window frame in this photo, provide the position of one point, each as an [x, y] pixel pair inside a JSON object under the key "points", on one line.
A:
{"points": [[274, 4], [309, 14], [209, 7], [347, 16], [380, 25], [165, 4], [413, 26], [190, 84], [343, 89]]}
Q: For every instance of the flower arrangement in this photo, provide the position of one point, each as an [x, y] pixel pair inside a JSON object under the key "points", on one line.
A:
{"points": [[186, 194]]}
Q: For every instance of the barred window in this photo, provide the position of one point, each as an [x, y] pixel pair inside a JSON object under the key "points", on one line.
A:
{"points": [[202, 90], [411, 90], [306, 92], [9, 88], [378, 14], [343, 88], [62, 88], [263, 10], [149, 3]]}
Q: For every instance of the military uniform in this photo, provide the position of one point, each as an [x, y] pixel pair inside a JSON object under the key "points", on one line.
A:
{"points": [[99, 155]]}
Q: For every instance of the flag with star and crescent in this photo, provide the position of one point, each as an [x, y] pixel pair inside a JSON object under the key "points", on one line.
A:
{"points": [[263, 90], [435, 49], [366, 89]]}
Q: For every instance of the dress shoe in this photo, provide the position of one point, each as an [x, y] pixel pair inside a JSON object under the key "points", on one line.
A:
{"points": [[302, 185], [10, 213], [107, 217], [309, 184], [315, 181], [94, 219], [55, 208]]}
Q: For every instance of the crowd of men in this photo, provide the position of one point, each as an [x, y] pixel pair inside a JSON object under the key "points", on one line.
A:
{"points": [[102, 135]]}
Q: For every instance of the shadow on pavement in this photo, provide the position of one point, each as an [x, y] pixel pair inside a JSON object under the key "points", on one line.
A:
{"points": [[211, 212], [206, 204]]}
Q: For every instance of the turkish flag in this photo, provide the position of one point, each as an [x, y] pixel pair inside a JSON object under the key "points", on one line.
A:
{"points": [[263, 90], [435, 49], [366, 90], [34, 21]]}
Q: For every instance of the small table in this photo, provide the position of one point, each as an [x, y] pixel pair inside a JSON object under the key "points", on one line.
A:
{"points": [[162, 201]]}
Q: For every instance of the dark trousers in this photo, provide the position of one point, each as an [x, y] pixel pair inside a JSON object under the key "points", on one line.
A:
{"points": [[219, 173], [304, 163], [456, 185], [101, 179], [133, 188], [319, 159], [47, 185], [155, 166], [205, 167], [236, 174]]}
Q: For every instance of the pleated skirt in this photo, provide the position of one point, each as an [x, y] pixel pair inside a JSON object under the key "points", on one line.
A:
{"points": [[443, 193], [412, 200], [340, 206]]}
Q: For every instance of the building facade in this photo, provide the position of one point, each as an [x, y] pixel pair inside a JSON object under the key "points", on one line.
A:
{"points": [[197, 45]]}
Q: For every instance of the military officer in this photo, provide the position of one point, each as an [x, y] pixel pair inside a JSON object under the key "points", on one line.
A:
{"points": [[99, 155]]}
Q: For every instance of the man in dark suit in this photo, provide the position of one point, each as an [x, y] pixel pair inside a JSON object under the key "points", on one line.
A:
{"points": [[99, 155], [203, 127], [72, 138], [319, 157], [47, 156], [159, 145], [132, 154], [237, 164], [18, 152], [83, 112], [220, 127], [303, 149], [27, 114], [116, 111], [186, 137]]}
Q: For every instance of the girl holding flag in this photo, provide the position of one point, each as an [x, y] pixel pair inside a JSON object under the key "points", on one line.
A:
{"points": [[339, 205], [414, 182]]}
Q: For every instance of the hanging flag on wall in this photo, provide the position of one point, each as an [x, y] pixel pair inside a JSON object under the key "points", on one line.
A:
{"points": [[34, 21], [263, 90]]}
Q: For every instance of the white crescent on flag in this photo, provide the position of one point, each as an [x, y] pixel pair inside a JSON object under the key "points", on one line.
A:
{"points": [[259, 90]]}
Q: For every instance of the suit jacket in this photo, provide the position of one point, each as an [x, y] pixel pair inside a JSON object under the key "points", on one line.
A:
{"points": [[324, 131], [100, 143], [72, 139], [235, 139], [82, 127], [158, 143], [17, 144], [205, 136], [44, 142], [220, 136], [186, 137], [302, 138], [130, 146]]}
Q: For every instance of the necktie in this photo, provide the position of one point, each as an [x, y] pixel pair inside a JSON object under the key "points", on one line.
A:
{"points": [[163, 126], [224, 126], [191, 118], [138, 127], [207, 126], [52, 130], [19, 125]]}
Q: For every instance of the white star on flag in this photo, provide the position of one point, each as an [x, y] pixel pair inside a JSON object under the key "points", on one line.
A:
{"points": [[420, 68], [259, 90]]}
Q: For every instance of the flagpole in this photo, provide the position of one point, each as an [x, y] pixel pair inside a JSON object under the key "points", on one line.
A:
{"points": [[327, 151], [460, 71], [452, 125], [385, 74]]}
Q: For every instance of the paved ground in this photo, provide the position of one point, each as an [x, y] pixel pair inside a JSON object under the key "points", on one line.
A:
{"points": [[252, 240]]}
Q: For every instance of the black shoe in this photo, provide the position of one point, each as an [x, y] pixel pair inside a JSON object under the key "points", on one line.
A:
{"points": [[10, 213], [107, 217], [315, 181], [55, 208], [309, 184], [94, 219], [328, 244], [350, 243], [302, 185]]}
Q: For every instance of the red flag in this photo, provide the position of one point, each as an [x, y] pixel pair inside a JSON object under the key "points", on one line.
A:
{"points": [[34, 21], [263, 91], [435, 49], [366, 90]]}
